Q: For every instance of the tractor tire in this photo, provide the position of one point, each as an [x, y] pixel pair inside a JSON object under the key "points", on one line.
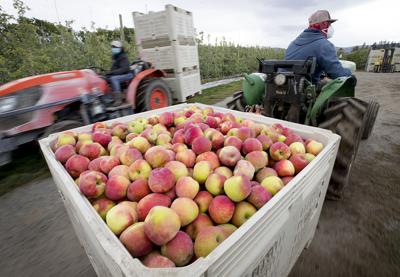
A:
{"points": [[372, 112], [237, 103], [345, 117], [61, 126], [152, 94]]}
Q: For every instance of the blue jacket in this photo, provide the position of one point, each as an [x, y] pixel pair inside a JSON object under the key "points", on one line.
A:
{"points": [[312, 42]]}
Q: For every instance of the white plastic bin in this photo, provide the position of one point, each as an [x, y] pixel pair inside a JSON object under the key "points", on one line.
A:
{"points": [[173, 23], [184, 84], [173, 57], [268, 244]]}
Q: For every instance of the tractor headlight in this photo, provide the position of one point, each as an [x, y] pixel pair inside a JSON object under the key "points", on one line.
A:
{"points": [[8, 103], [280, 79]]}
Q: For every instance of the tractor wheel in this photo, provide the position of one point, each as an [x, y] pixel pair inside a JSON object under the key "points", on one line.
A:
{"points": [[61, 126], [372, 112], [345, 117], [237, 103], [152, 94]]}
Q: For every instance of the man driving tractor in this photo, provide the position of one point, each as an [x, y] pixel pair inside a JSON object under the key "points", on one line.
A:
{"points": [[313, 42], [120, 71]]}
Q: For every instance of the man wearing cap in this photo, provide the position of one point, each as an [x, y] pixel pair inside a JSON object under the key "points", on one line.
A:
{"points": [[313, 42], [120, 70]]}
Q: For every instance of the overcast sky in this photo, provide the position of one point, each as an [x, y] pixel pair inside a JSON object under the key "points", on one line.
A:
{"points": [[257, 22]]}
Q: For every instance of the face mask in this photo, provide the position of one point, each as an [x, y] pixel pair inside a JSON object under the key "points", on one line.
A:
{"points": [[115, 50], [328, 32]]}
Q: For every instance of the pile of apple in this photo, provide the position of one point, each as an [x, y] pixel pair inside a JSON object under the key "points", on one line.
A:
{"points": [[174, 186]]}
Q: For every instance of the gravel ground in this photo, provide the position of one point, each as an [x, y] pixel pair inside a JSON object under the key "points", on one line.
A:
{"points": [[357, 236]]}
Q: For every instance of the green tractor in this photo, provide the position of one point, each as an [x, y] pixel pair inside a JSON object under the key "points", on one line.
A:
{"points": [[282, 89]]}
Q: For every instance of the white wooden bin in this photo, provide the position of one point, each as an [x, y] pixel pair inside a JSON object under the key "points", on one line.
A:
{"points": [[184, 84], [173, 24], [268, 244]]}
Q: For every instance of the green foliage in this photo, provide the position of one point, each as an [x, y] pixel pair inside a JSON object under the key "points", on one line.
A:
{"points": [[359, 56]]}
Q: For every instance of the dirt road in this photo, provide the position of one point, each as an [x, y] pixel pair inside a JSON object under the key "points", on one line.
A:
{"points": [[358, 236]]}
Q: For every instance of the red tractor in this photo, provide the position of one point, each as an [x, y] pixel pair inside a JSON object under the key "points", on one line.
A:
{"points": [[37, 106]]}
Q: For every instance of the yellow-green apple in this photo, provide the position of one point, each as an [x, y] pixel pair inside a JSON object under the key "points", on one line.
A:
{"points": [[250, 145], [314, 147], [264, 173], [244, 168], [166, 119], [229, 155], [208, 111], [299, 162], [84, 136], [76, 164], [107, 163], [159, 128], [187, 187], [150, 135], [65, 139], [297, 148], [265, 140], [227, 228], [233, 141], [157, 156], [201, 144], [191, 134], [120, 217], [156, 260], [161, 180], [179, 136], [177, 147], [102, 206], [259, 159], [92, 183], [163, 139], [130, 155], [99, 125], [103, 137], [224, 171], [199, 223], [201, 171], [136, 127], [186, 209], [139, 169], [210, 157], [284, 168], [118, 149], [64, 152], [187, 157], [179, 249], [161, 225], [80, 143], [221, 209], [259, 196], [114, 141], [279, 151], [137, 190], [286, 180], [309, 157], [207, 240], [90, 150], [179, 120], [203, 200], [116, 187], [120, 130], [179, 169], [140, 143], [237, 188], [273, 184], [149, 201], [243, 211], [215, 184], [135, 240], [292, 137]]}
